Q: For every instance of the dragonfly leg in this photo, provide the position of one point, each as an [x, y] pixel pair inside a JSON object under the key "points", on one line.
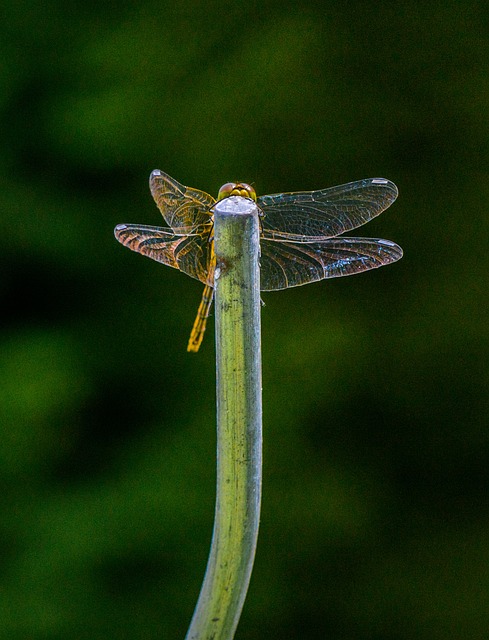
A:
{"points": [[197, 333]]}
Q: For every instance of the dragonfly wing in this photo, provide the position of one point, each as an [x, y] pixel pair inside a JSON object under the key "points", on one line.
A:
{"points": [[317, 215], [183, 208], [188, 253], [285, 264]]}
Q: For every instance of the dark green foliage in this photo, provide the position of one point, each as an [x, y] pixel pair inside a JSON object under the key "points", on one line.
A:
{"points": [[376, 483]]}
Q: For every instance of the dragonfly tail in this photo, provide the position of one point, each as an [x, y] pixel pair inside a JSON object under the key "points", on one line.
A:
{"points": [[197, 333]]}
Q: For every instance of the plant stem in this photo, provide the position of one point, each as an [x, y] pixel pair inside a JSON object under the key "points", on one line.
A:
{"points": [[239, 421]]}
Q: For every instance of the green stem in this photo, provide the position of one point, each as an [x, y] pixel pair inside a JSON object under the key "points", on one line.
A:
{"points": [[239, 422]]}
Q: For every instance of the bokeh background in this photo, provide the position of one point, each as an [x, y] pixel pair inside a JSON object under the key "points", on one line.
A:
{"points": [[375, 522]]}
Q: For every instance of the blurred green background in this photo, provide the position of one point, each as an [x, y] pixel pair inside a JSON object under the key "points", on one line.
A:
{"points": [[375, 522]]}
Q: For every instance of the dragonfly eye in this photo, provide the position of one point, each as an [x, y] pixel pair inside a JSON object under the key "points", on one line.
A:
{"points": [[237, 189]]}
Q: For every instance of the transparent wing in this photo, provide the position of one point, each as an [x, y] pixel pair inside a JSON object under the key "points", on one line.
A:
{"points": [[183, 208], [316, 215], [188, 253], [285, 264]]}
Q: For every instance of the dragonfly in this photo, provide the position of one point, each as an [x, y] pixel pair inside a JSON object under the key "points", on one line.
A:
{"points": [[301, 237]]}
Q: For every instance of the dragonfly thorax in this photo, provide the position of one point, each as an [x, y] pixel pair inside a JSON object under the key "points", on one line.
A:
{"points": [[237, 189]]}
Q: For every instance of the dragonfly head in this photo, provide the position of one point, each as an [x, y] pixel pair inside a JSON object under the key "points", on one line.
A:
{"points": [[237, 189]]}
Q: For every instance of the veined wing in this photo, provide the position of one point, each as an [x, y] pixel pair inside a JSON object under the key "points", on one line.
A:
{"points": [[308, 216], [285, 264], [183, 208], [188, 253]]}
